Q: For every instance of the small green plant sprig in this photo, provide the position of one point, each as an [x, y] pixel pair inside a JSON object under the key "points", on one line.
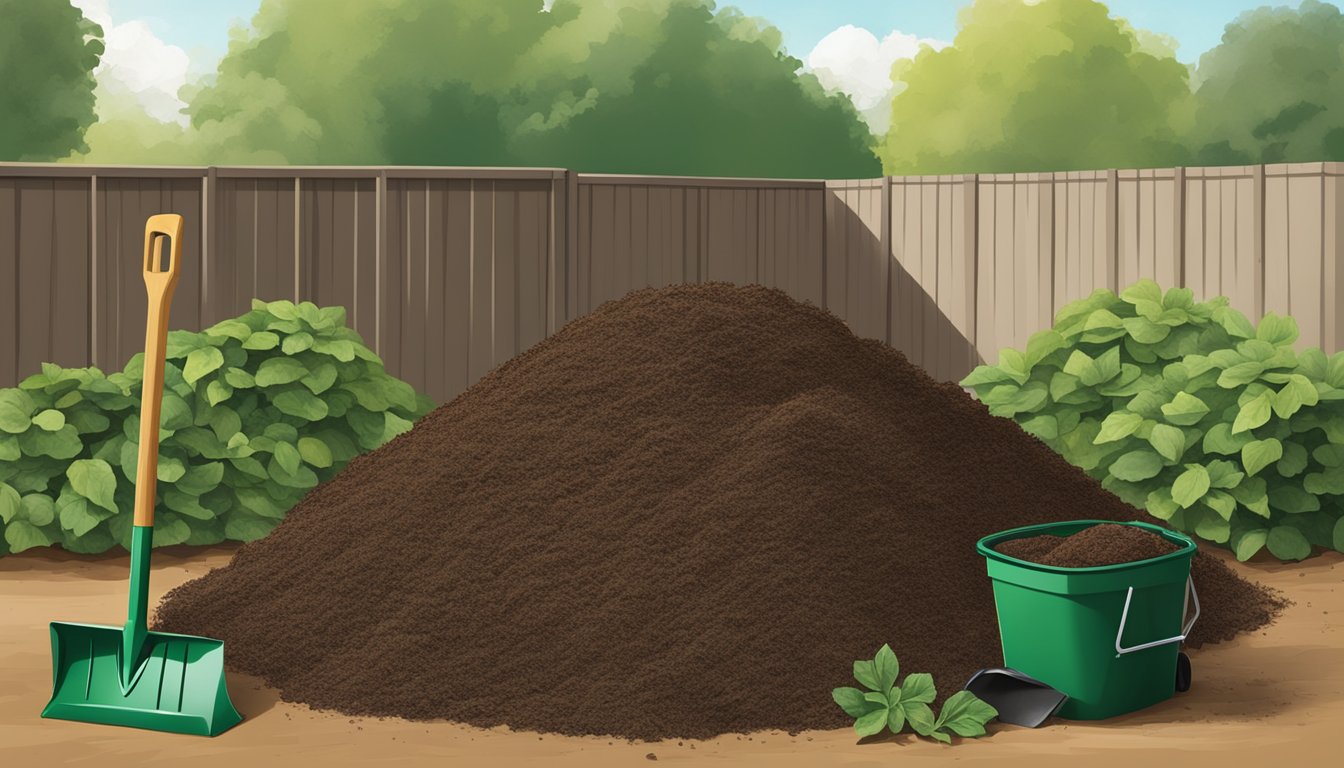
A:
{"points": [[887, 705]]}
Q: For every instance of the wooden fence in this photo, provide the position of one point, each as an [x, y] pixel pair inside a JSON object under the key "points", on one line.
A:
{"points": [[447, 272]]}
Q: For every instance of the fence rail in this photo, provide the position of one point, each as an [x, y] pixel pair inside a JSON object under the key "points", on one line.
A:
{"points": [[447, 272]]}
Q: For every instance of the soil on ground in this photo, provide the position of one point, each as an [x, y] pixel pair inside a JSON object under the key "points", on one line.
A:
{"points": [[1270, 697], [683, 515]]}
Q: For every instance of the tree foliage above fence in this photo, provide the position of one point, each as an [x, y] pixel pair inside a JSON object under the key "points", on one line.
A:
{"points": [[661, 86], [46, 64]]}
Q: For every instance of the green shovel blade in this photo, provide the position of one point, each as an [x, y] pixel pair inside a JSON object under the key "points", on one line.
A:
{"points": [[178, 686]]}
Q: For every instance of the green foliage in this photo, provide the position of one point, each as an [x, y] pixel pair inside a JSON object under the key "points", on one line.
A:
{"points": [[1273, 91], [252, 419], [1187, 410], [885, 705], [1056, 85], [47, 54], [657, 86]]}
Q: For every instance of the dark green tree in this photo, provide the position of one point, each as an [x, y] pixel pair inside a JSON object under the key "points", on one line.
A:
{"points": [[1273, 90], [47, 54]]}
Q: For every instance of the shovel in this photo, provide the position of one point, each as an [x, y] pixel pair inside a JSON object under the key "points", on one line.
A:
{"points": [[129, 675]]}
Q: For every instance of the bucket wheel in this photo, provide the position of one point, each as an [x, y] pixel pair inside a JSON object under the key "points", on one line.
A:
{"points": [[1182, 672]]}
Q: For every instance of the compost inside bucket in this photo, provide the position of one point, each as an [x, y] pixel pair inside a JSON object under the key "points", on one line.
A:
{"points": [[1104, 544], [685, 514]]}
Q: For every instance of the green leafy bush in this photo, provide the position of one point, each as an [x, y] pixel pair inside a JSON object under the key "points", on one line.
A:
{"points": [[1189, 411], [256, 411], [887, 705]]}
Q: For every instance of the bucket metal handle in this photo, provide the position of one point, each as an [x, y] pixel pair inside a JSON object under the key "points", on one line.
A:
{"points": [[1185, 631]]}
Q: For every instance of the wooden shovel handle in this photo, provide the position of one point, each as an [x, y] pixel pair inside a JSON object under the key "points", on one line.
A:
{"points": [[159, 284]]}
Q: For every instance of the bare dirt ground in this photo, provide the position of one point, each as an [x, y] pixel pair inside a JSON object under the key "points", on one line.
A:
{"points": [[1272, 698]]}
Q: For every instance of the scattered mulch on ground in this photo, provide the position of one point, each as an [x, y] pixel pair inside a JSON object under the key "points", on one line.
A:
{"points": [[685, 514], [1105, 544]]}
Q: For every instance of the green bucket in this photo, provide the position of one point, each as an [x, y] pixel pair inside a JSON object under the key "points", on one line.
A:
{"points": [[1107, 636]]}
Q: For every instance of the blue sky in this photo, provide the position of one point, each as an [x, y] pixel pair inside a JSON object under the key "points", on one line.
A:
{"points": [[1197, 24]]}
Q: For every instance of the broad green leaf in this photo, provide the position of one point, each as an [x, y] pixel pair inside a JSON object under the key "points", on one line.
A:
{"points": [[1136, 466], [865, 671], [1248, 543], [1329, 455], [1277, 330], [320, 378], [93, 479], [1145, 331], [233, 329], [296, 343], [1209, 525], [1043, 426], [261, 341], [1253, 414], [877, 697], [1185, 409], [61, 444], [180, 344], [852, 702], [1224, 474], [217, 392], [1334, 370], [258, 503], [1297, 392], [1240, 375], [983, 375], [1190, 486], [1179, 298], [186, 504], [171, 469], [9, 448], [1160, 504], [394, 425], [1250, 493], [1294, 459], [871, 723], [1256, 351], [340, 349], [1258, 454], [50, 420], [242, 526], [201, 479], [896, 718], [302, 404], [920, 717], [918, 688], [279, 370], [1330, 481], [1293, 500], [315, 452], [9, 502], [1287, 543], [77, 515], [287, 456], [22, 535], [1169, 441], [37, 508], [283, 310], [1118, 425], [239, 378], [1221, 502], [201, 362], [965, 714], [1234, 322], [1144, 289], [1219, 439], [1041, 345]]}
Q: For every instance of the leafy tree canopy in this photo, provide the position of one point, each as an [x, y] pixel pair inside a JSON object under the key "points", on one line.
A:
{"points": [[1056, 85], [1273, 91], [47, 54], [640, 86]]}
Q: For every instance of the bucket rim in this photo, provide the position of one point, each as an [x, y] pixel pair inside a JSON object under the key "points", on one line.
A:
{"points": [[985, 546]]}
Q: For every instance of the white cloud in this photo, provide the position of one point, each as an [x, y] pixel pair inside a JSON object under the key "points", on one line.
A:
{"points": [[852, 60], [137, 69]]}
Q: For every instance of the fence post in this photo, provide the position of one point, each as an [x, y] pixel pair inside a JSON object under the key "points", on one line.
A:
{"points": [[1258, 240], [1112, 229], [379, 257], [1178, 224]]}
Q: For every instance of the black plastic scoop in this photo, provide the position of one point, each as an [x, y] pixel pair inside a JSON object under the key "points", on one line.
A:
{"points": [[1020, 700]]}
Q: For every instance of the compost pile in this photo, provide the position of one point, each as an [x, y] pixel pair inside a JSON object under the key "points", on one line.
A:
{"points": [[1104, 544], [685, 514]]}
